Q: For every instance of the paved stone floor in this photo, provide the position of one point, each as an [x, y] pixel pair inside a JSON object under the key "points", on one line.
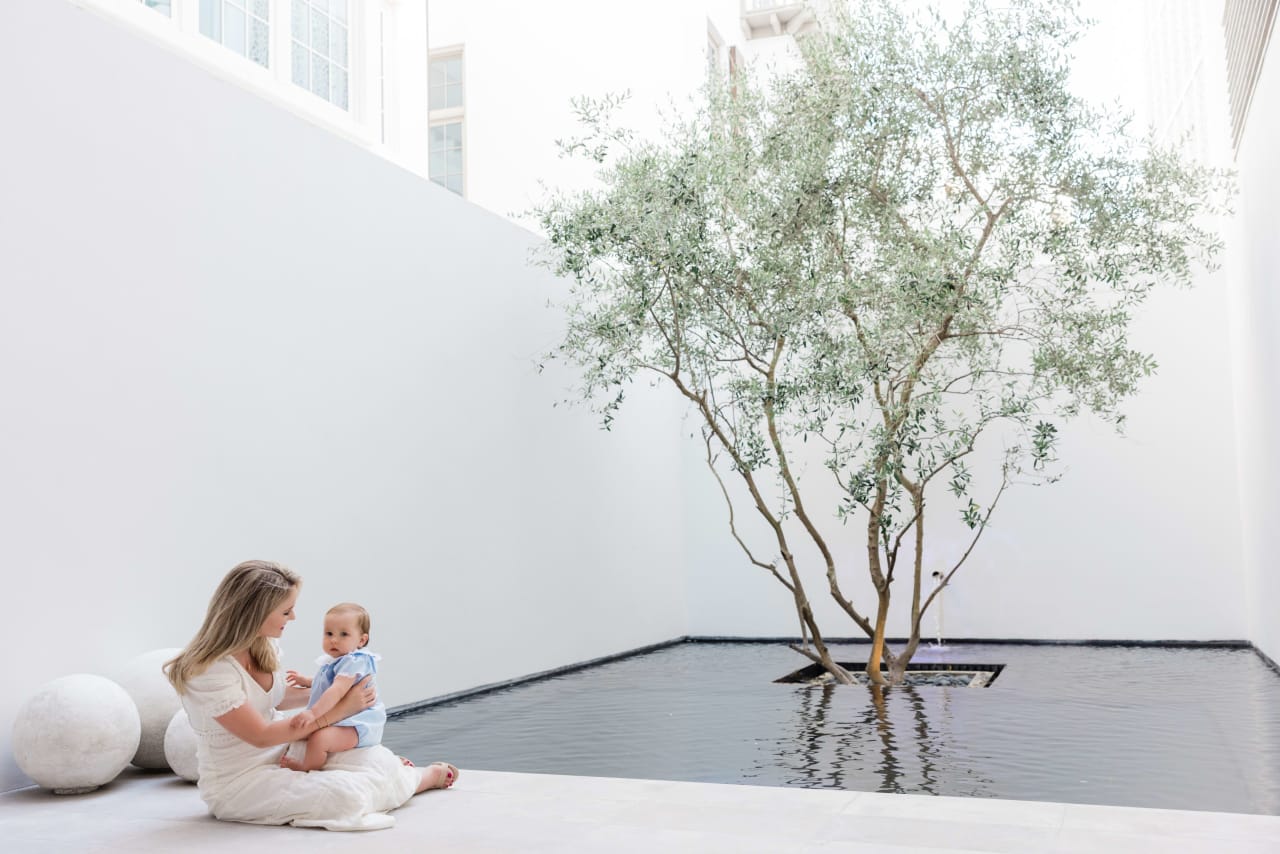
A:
{"points": [[493, 811]]}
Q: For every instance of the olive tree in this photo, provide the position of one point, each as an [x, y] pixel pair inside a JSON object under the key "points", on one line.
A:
{"points": [[917, 238]]}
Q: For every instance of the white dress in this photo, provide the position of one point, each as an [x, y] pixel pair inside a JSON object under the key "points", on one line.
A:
{"points": [[241, 782]]}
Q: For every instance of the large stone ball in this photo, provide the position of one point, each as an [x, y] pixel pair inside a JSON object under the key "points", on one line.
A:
{"points": [[76, 733], [156, 701], [180, 747]]}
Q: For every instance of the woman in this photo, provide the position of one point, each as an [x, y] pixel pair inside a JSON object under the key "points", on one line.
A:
{"points": [[231, 685]]}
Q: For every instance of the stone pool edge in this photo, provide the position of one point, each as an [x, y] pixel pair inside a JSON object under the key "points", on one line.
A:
{"points": [[508, 811]]}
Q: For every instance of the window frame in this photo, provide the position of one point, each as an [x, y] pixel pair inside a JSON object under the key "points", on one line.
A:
{"points": [[245, 7], [328, 59], [462, 149], [443, 116], [446, 54], [714, 51], [180, 32]]}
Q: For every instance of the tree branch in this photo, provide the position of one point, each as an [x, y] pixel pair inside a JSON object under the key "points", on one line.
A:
{"points": [[946, 579], [772, 567]]}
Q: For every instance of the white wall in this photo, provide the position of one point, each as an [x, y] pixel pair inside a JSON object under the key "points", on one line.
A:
{"points": [[229, 334], [1254, 256]]}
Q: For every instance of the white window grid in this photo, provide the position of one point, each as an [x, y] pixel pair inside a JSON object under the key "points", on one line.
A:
{"points": [[320, 35], [446, 158], [715, 47], [373, 116], [445, 81], [382, 76], [242, 26]]}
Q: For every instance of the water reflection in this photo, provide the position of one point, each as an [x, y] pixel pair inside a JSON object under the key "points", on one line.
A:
{"points": [[871, 738], [1127, 726]]}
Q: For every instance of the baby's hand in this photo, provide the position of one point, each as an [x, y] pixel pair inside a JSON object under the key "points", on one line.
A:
{"points": [[296, 679], [302, 719]]}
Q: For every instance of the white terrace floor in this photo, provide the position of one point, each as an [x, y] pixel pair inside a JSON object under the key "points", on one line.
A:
{"points": [[492, 811]]}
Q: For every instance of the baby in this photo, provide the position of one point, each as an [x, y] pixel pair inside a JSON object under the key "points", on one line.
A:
{"points": [[345, 662]]}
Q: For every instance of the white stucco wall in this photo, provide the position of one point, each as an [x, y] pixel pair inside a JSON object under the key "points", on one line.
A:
{"points": [[1254, 257], [230, 334]]}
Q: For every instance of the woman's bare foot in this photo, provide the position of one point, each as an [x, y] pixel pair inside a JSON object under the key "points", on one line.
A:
{"points": [[437, 775], [405, 761]]}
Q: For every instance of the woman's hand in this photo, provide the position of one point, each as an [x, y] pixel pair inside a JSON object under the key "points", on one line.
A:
{"points": [[302, 719], [361, 696], [246, 724]]}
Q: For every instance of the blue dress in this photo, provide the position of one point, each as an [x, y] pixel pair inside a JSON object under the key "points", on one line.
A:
{"points": [[360, 663]]}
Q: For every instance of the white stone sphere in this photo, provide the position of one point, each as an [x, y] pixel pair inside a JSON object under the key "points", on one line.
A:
{"points": [[76, 733], [180, 747], [156, 701]]}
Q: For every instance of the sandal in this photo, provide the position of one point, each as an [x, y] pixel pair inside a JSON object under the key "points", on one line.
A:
{"points": [[450, 775]]}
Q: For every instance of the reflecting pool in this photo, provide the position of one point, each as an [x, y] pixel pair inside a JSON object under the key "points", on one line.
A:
{"points": [[1138, 726]]}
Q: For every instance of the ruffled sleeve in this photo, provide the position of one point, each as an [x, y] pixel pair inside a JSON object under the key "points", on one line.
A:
{"points": [[216, 691], [356, 664]]}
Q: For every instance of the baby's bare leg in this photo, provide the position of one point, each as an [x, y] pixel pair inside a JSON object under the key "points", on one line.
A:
{"points": [[331, 739]]}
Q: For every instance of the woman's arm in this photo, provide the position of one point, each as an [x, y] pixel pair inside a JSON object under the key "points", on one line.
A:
{"points": [[326, 701], [247, 725]]}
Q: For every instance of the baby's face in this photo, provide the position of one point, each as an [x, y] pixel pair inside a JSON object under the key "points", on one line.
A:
{"points": [[342, 634]]}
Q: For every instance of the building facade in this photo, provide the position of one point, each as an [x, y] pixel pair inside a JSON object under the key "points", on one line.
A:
{"points": [[505, 75], [355, 67]]}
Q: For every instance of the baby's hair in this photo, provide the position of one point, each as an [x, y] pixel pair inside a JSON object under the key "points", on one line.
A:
{"points": [[362, 616]]}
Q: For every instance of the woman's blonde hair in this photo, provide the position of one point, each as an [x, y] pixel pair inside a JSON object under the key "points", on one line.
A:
{"points": [[240, 605]]}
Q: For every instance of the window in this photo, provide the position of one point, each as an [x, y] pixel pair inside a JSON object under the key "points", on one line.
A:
{"points": [[382, 77], [338, 63], [446, 156], [321, 42], [446, 104], [445, 80], [715, 45], [244, 26], [1247, 25]]}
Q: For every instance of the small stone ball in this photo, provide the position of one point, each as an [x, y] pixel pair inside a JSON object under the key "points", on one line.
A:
{"points": [[180, 747], [76, 733], [156, 701]]}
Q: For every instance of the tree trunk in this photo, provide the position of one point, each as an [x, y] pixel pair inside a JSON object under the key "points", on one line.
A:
{"points": [[877, 640], [837, 672], [898, 667], [898, 670], [823, 654]]}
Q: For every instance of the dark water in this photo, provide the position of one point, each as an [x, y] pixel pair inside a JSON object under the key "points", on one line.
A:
{"points": [[1136, 726]]}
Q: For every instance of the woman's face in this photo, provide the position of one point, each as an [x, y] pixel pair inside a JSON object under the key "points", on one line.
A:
{"points": [[281, 616]]}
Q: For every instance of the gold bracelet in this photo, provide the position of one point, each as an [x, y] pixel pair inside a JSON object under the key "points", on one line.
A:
{"points": [[320, 720]]}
